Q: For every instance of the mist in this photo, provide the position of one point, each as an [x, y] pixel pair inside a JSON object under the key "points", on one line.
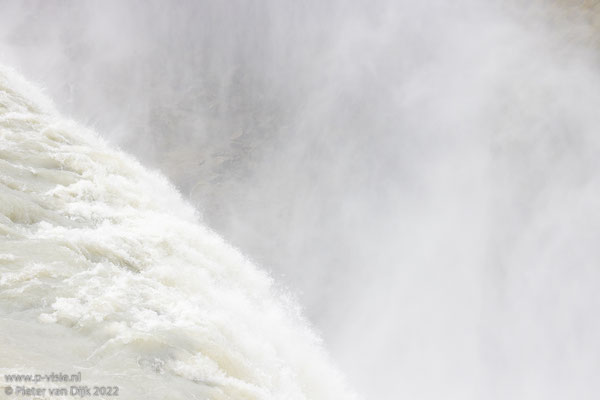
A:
{"points": [[421, 176]]}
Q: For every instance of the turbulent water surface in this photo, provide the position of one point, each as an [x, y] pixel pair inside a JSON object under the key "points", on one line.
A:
{"points": [[424, 176], [104, 270]]}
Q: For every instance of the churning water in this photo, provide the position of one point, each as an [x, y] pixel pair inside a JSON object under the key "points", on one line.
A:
{"points": [[424, 175], [104, 270]]}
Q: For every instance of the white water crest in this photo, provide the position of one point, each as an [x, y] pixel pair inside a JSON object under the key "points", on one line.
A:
{"points": [[104, 269]]}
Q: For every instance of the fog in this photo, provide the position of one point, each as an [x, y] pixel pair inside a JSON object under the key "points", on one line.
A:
{"points": [[422, 176]]}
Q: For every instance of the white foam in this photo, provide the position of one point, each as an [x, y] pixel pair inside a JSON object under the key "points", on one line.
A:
{"points": [[104, 257]]}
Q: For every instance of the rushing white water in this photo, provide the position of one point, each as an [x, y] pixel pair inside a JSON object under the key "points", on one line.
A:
{"points": [[104, 269]]}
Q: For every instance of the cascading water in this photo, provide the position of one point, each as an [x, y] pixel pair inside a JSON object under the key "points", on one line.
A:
{"points": [[104, 270], [423, 175]]}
